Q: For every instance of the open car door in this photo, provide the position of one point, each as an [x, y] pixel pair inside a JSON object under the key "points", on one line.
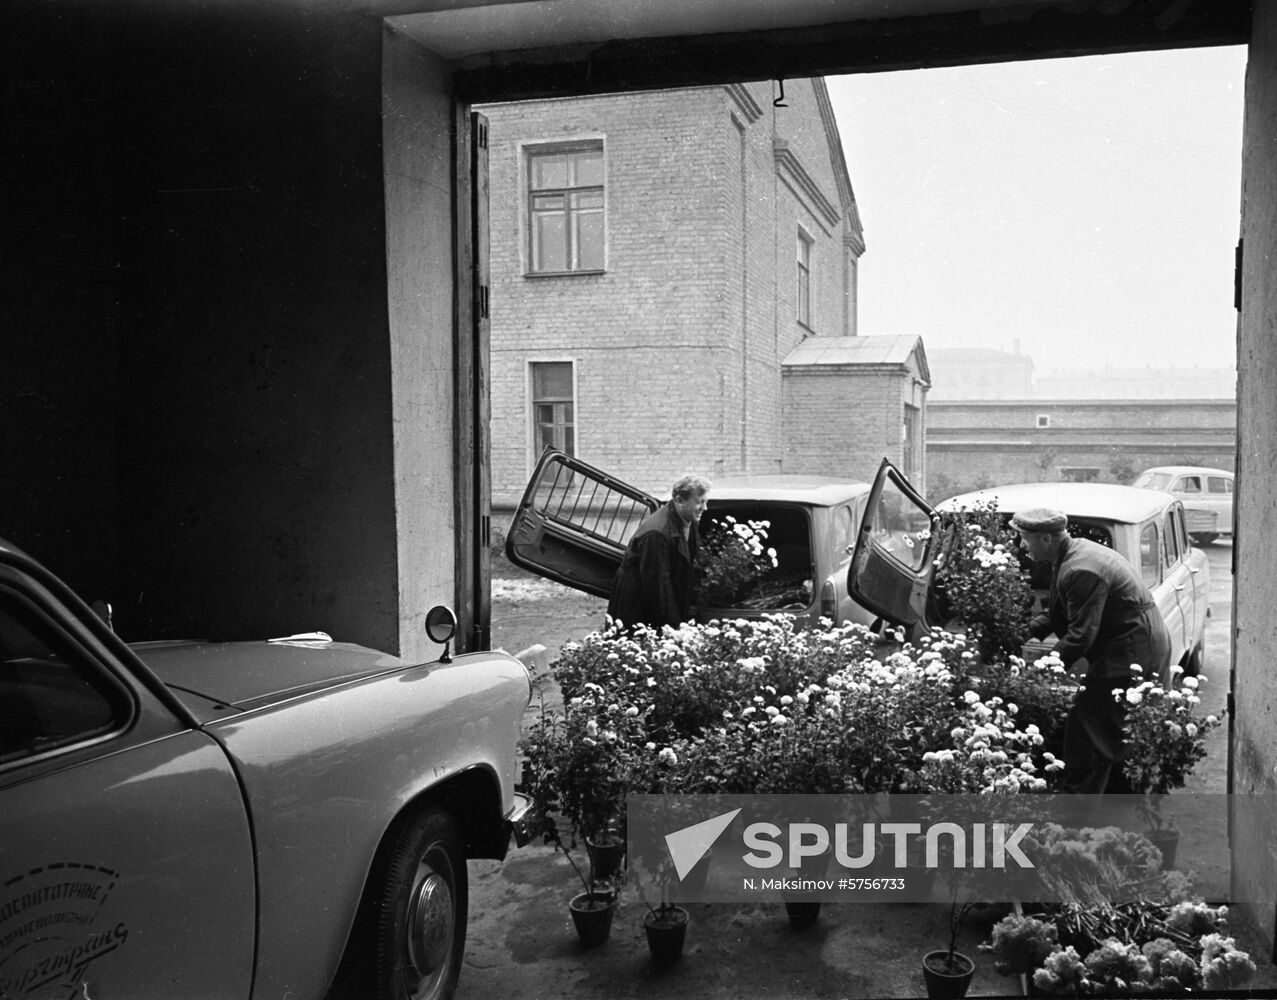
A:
{"points": [[893, 565], [574, 522]]}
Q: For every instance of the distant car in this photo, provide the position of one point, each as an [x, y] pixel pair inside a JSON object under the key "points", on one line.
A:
{"points": [[574, 523], [893, 568], [240, 819], [1207, 496]]}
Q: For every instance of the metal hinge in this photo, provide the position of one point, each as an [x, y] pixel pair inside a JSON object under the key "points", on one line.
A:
{"points": [[481, 135], [483, 301], [1237, 277]]}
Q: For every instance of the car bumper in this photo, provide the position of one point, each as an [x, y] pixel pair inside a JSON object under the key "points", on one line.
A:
{"points": [[518, 820]]}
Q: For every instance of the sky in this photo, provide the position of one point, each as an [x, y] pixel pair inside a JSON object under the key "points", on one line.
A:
{"points": [[1086, 209]]}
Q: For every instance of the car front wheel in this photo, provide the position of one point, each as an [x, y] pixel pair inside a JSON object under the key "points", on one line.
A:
{"points": [[422, 910]]}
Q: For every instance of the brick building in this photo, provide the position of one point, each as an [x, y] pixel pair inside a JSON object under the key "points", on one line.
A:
{"points": [[654, 258], [974, 444]]}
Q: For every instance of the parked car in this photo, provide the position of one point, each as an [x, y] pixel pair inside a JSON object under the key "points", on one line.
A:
{"points": [[240, 819], [894, 567], [574, 523], [1207, 496]]}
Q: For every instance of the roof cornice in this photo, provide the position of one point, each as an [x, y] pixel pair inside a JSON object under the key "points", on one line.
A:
{"points": [[749, 107], [793, 172]]}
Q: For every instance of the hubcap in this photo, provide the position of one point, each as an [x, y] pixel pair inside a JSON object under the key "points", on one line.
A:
{"points": [[429, 922]]}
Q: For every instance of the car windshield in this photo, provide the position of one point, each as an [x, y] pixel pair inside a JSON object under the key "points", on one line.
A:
{"points": [[1153, 480], [755, 556]]}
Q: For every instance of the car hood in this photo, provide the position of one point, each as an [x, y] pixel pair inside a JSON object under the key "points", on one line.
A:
{"points": [[249, 674]]}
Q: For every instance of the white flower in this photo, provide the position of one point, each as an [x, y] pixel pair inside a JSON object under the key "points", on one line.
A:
{"points": [[649, 745], [631, 712], [1134, 696], [592, 728], [786, 700], [1211, 720], [668, 756], [779, 720], [970, 697], [1191, 729], [1190, 682], [772, 710]]}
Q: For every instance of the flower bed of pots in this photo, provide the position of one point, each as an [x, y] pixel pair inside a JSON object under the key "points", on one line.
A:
{"points": [[756, 707]]}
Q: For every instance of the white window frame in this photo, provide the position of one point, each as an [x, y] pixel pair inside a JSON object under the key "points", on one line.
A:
{"points": [[533, 443], [527, 152], [805, 252]]}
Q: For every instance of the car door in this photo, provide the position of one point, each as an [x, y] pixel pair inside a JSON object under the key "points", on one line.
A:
{"points": [[126, 865], [1153, 571], [893, 565], [574, 522], [1220, 490]]}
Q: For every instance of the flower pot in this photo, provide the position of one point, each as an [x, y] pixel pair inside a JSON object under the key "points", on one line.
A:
{"points": [[606, 858], [802, 913], [1166, 841], [945, 980], [592, 914], [666, 931]]}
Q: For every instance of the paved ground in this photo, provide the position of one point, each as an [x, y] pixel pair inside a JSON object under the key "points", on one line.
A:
{"points": [[521, 941]]}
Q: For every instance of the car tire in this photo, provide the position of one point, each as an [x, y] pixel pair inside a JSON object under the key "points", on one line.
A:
{"points": [[421, 909], [1203, 537]]}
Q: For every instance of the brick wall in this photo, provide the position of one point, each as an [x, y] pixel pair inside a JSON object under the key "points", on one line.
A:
{"points": [[973, 445], [677, 345]]}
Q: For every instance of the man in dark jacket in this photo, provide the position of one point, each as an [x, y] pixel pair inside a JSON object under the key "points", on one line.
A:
{"points": [[1100, 609], [657, 574]]}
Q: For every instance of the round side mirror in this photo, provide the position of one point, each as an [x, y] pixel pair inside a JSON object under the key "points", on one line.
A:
{"points": [[441, 623]]}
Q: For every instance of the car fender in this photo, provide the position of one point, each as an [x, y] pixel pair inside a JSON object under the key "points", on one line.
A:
{"points": [[325, 776]]}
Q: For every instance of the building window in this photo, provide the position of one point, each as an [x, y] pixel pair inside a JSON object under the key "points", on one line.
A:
{"points": [[804, 278], [565, 208], [910, 435], [1044, 420], [553, 407]]}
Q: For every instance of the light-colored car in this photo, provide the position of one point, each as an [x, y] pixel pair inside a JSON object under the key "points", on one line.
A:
{"points": [[574, 522], [1207, 496], [240, 819], [1146, 527]]}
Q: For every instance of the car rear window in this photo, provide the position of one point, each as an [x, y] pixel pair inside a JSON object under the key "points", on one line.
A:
{"points": [[785, 529]]}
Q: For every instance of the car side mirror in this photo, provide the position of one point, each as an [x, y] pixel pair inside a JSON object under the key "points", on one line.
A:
{"points": [[103, 610], [441, 626]]}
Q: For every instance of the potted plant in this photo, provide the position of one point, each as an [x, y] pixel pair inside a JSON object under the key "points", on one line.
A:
{"points": [[1165, 739], [578, 764], [733, 557], [947, 972]]}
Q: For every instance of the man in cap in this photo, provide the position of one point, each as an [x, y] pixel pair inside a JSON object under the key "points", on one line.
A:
{"points": [[1101, 610]]}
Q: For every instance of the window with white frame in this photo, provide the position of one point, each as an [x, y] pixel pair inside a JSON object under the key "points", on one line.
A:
{"points": [[553, 407], [565, 208], [804, 278]]}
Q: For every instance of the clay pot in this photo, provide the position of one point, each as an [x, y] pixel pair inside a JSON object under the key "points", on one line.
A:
{"points": [[666, 931], [592, 914], [947, 980]]}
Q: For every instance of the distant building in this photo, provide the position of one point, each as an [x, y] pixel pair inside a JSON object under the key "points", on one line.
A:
{"points": [[980, 373], [1138, 383], [655, 260], [973, 444]]}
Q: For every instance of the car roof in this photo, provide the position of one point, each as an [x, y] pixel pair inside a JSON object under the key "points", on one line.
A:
{"points": [[818, 491], [1177, 470], [1106, 501]]}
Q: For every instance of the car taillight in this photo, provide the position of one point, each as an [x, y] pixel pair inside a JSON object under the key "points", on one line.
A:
{"points": [[828, 602]]}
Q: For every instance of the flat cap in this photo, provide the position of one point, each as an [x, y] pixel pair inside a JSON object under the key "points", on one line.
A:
{"points": [[1039, 519]]}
